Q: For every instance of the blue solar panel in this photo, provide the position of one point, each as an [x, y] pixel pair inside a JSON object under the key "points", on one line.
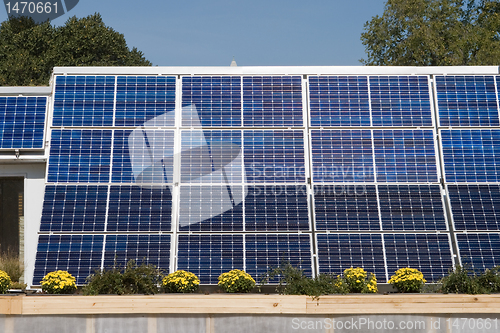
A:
{"points": [[339, 101], [265, 252], [211, 208], [145, 100], [471, 155], [80, 255], [475, 207], [400, 101], [211, 157], [405, 156], [143, 249], [22, 122], [276, 208], [411, 207], [337, 252], [134, 208], [143, 156], [479, 251], [79, 156], [84, 101], [208, 256], [467, 100], [216, 100], [346, 207], [274, 156], [342, 155], [74, 208], [429, 253], [272, 101]]}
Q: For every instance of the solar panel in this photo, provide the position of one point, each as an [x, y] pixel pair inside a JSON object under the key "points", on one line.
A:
{"points": [[145, 100], [337, 252], [82, 156], [217, 100], [208, 256], [342, 155], [475, 206], [22, 122], [276, 208], [411, 207], [400, 101], [479, 251], [143, 249], [74, 208], [339, 101], [80, 255], [139, 208], [271, 101], [405, 155], [346, 207], [266, 251], [83, 100], [274, 156], [467, 100], [471, 155], [429, 253]]}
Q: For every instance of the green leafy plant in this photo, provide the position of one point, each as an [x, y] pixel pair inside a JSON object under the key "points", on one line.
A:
{"points": [[460, 281], [293, 281], [236, 281], [132, 279], [5, 282], [181, 282], [408, 280], [10, 263], [359, 281], [489, 280], [58, 282]]}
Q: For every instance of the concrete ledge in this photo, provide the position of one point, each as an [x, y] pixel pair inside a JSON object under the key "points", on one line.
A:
{"points": [[249, 304]]}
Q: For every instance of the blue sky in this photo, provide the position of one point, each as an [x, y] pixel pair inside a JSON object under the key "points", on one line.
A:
{"points": [[256, 32]]}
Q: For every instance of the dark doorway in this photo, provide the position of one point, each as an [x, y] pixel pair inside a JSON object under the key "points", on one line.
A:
{"points": [[11, 215]]}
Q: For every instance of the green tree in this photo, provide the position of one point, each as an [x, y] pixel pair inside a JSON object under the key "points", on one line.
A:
{"points": [[29, 51], [434, 33]]}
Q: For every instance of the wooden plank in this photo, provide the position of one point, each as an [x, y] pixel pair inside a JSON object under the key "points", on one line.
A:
{"points": [[10, 305]]}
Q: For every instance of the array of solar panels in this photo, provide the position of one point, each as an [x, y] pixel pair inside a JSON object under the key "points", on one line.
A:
{"points": [[22, 122], [212, 173]]}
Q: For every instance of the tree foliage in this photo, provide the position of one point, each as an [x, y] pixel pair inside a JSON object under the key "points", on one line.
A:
{"points": [[434, 33], [29, 51]]}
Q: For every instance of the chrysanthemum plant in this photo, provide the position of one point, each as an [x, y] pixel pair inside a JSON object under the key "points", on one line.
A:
{"points": [[408, 280], [359, 281], [181, 282], [4, 282], [236, 281], [59, 282]]}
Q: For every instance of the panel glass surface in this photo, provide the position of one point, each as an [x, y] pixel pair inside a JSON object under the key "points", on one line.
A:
{"points": [[145, 101], [429, 253], [211, 101], [208, 256], [271, 101], [479, 251], [22, 122], [405, 156], [342, 155], [467, 100], [346, 207], [337, 252], [471, 155], [475, 207], [82, 156], [80, 255], [411, 207], [74, 208], [400, 101], [264, 252], [339, 101]]}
